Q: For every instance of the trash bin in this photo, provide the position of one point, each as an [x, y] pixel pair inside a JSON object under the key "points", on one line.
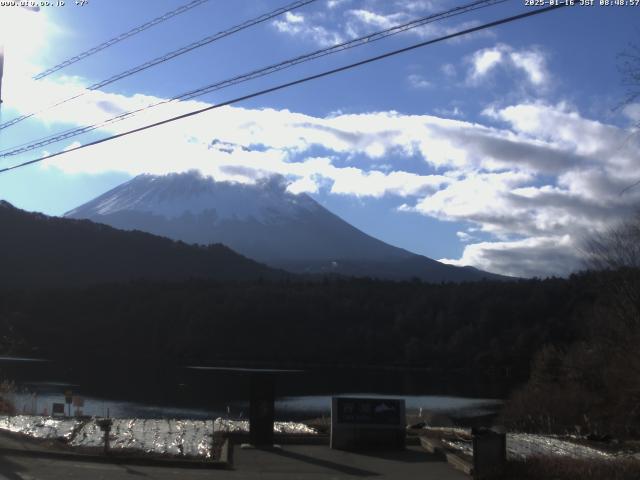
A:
{"points": [[489, 453]]}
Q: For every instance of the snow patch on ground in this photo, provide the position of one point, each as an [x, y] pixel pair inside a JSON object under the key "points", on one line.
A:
{"points": [[188, 438], [521, 446], [40, 427]]}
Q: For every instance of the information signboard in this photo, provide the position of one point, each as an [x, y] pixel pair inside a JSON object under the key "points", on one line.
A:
{"points": [[369, 411], [367, 423], [57, 410]]}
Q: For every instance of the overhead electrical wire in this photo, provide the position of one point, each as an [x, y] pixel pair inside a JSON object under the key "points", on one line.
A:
{"points": [[166, 57], [299, 81], [364, 40], [123, 36]]}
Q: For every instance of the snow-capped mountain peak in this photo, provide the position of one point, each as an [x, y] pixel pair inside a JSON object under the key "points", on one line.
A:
{"points": [[175, 195]]}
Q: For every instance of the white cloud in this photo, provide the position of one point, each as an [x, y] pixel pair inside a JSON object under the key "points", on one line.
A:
{"points": [[531, 62], [484, 61], [464, 237], [377, 20], [416, 5], [536, 256], [336, 3], [482, 198], [299, 25], [338, 23], [632, 112], [291, 17], [450, 112], [448, 69], [418, 81], [303, 185], [541, 223]]}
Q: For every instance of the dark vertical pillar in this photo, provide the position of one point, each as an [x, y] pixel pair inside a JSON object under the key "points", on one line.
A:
{"points": [[489, 453], [262, 409]]}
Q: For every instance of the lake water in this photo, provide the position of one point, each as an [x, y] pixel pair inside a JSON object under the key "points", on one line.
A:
{"points": [[287, 408], [200, 394]]}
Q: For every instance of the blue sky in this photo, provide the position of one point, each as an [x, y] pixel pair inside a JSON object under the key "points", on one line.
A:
{"points": [[501, 150]]}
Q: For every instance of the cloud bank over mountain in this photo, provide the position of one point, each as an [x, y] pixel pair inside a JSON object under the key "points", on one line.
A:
{"points": [[536, 177], [528, 178]]}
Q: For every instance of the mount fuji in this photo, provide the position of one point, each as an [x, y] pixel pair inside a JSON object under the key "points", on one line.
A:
{"points": [[262, 221]]}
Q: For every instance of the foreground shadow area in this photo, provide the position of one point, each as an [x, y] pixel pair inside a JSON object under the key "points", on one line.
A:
{"points": [[10, 470], [346, 469], [403, 456]]}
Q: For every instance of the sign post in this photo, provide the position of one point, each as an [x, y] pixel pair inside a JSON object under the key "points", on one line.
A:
{"points": [[68, 399], [78, 403]]}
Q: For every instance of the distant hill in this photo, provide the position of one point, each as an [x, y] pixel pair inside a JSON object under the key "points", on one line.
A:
{"points": [[37, 250], [265, 222]]}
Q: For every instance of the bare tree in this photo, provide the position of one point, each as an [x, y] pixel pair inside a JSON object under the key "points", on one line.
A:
{"points": [[629, 67], [616, 253], [616, 248]]}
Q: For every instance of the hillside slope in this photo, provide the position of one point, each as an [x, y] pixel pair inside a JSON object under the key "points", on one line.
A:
{"points": [[37, 250]]}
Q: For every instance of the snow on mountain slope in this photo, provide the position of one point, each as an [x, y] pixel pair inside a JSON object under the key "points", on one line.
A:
{"points": [[174, 195]]}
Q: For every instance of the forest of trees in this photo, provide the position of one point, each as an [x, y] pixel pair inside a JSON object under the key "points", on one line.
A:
{"points": [[489, 327]]}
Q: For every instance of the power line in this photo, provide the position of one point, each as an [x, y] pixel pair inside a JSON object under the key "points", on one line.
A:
{"points": [[169, 56], [364, 40], [120, 38], [293, 83]]}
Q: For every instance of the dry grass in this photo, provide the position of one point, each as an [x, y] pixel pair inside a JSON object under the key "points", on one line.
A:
{"points": [[559, 468]]}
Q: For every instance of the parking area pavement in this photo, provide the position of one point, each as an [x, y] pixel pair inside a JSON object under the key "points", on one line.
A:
{"points": [[289, 462]]}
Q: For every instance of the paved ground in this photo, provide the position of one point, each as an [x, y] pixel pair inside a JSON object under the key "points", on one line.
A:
{"points": [[291, 462]]}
